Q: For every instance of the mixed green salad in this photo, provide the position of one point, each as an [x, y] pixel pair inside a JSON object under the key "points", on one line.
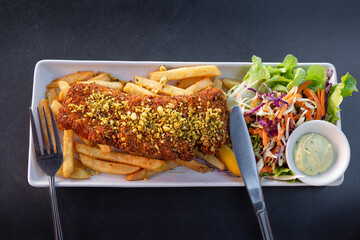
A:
{"points": [[276, 100]]}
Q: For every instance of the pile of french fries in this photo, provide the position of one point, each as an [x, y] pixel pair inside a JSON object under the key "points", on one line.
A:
{"points": [[83, 159]]}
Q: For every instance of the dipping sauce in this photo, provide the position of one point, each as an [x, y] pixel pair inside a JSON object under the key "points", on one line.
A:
{"points": [[313, 154]]}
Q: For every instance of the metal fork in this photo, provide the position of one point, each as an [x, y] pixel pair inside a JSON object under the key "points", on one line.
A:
{"points": [[49, 159]]}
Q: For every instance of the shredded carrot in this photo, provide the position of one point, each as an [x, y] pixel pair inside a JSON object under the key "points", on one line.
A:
{"points": [[252, 130], [275, 149], [266, 169], [265, 138], [287, 96], [297, 116], [303, 86], [291, 118], [247, 119], [283, 109], [318, 93], [297, 96], [278, 142], [301, 104], [308, 115], [281, 132], [310, 94], [267, 160], [256, 132], [318, 96], [322, 102]]}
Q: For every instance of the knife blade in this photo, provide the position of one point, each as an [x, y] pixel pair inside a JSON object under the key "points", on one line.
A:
{"points": [[245, 159]]}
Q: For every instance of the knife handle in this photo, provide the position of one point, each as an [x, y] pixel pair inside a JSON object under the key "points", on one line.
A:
{"points": [[264, 225]]}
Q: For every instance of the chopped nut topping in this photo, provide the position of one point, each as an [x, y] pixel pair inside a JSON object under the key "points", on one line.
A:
{"points": [[172, 120]]}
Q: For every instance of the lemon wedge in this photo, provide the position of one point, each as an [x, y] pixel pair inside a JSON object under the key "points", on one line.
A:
{"points": [[228, 157]]}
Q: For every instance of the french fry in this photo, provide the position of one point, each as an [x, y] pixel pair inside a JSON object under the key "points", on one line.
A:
{"points": [[143, 162], [229, 83], [193, 164], [43, 103], [162, 89], [63, 85], [68, 153], [87, 142], [102, 77], [211, 159], [135, 89], [78, 164], [71, 78], [104, 148], [55, 106], [200, 85], [217, 83], [187, 72], [107, 167], [64, 88], [78, 173], [51, 95], [143, 174], [187, 82], [101, 158], [113, 85]]}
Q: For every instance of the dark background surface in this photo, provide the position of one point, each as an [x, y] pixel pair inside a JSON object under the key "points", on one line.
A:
{"points": [[318, 31]]}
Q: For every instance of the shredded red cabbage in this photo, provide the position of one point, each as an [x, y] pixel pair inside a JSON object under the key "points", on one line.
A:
{"points": [[329, 73], [271, 129], [278, 153], [268, 89], [328, 85], [228, 173], [262, 122], [251, 89], [254, 110], [277, 101]]}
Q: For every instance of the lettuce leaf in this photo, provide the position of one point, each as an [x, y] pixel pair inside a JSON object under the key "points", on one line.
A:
{"points": [[273, 71], [290, 62], [317, 74], [256, 75], [299, 76], [286, 67], [349, 85], [277, 79], [258, 71], [280, 88], [284, 74], [337, 92], [282, 171]]}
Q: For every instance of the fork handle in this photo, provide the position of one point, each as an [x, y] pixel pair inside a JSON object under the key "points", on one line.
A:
{"points": [[54, 207]]}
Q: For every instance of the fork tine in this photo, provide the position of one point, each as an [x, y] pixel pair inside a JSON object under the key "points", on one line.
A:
{"points": [[42, 134], [34, 134], [56, 133], [51, 146]]}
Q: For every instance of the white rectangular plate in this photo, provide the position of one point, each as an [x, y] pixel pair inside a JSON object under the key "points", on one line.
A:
{"points": [[48, 70]]}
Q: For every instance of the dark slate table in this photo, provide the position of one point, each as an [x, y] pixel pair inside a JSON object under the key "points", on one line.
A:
{"points": [[314, 31]]}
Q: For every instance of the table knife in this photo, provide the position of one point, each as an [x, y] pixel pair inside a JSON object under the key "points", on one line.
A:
{"points": [[245, 159]]}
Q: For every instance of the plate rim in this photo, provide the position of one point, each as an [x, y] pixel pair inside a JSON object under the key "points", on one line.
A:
{"points": [[142, 184]]}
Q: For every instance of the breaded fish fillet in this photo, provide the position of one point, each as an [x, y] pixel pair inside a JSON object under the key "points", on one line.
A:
{"points": [[155, 126]]}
